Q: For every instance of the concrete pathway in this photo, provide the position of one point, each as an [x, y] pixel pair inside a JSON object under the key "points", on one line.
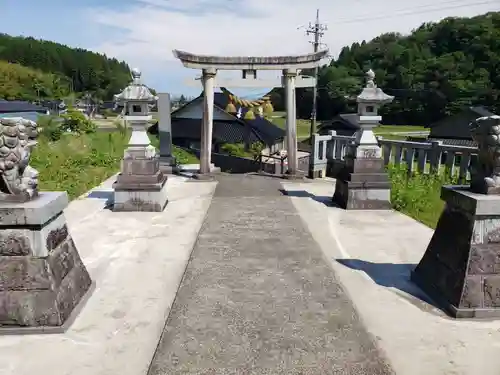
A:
{"points": [[258, 296], [137, 261], [373, 253]]}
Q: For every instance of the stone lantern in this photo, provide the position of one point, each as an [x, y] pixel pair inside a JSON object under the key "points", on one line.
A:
{"points": [[140, 186], [363, 182]]}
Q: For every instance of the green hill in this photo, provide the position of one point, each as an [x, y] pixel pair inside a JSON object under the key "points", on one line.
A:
{"points": [[436, 70], [58, 69]]}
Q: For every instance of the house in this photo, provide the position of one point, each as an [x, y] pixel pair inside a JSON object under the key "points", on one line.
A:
{"points": [[227, 127], [18, 108], [344, 124], [454, 130]]}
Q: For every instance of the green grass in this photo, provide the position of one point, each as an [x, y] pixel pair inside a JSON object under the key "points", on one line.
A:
{"points": [[77, 163], [418, 195], [303, 126], [399, 129]]}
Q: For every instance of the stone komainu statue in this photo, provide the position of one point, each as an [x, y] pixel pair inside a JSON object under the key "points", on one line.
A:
{"points": [[486, 174], [18, 182]]}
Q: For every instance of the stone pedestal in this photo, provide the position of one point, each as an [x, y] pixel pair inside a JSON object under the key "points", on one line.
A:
{"points": [[168, 165], [141, 185], [42, 278], [460, 269], [363, 184]]}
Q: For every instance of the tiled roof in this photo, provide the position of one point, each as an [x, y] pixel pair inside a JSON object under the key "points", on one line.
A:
{"points": [[348, 121], [10, 106], [455, 142], [223, 131]]}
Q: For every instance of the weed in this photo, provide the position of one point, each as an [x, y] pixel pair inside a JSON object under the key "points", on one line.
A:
{"points": [[418, 195], [78, 162]]}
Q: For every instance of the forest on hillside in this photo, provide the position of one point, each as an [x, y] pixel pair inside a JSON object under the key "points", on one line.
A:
{"points": [[436, 70], [32, 69]]}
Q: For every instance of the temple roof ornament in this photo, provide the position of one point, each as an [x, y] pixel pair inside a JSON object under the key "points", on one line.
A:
{"points": [[136, 91], [371, 93]]}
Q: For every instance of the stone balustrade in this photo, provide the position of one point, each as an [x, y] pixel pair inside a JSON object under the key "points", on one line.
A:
{"points": [[430, 157], [326, 149], [421, 157]]}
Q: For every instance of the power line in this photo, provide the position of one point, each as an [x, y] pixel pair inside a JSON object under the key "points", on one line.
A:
{"points": [[318, 30], [409, 12]]}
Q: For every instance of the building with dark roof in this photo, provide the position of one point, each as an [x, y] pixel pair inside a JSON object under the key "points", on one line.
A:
{"points": [[18, 108], [15, 106], [227, 127], [454, 130], [344, 124]]}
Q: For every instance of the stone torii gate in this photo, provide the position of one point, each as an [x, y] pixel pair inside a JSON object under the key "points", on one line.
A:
{"points": [[209, 65]]}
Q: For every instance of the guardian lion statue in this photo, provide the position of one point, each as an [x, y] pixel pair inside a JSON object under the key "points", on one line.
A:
{"points": [[18, 182], [486, 174]]}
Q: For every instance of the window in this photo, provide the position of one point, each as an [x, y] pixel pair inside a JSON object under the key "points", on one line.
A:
{"points": [[369, 109], [136, 108]]}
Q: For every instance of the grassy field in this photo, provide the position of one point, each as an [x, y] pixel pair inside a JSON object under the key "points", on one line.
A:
{"points": [[303, 126], [399, 129], [77, 163]]}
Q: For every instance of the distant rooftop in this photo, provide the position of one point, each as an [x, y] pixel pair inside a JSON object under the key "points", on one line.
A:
{"points": [[14, 106]]}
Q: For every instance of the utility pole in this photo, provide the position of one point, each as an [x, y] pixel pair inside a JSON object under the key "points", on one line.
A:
{"points": [[318, 30]]}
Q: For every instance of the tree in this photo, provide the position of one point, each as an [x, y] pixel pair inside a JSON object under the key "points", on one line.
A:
{"points": [[74, 68], [436, 70]]}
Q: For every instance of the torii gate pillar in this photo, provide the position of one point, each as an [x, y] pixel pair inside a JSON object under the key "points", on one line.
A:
{"points": [[290, 75]]}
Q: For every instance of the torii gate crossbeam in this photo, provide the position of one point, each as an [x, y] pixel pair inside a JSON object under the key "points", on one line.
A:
{"points": [[211, 64]]}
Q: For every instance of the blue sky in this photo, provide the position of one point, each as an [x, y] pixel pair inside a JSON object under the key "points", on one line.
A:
{"points": [[144, 32]]}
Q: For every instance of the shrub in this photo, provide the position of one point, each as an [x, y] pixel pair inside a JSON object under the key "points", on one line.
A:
{"points": [[256, 149], [76, 121], [50, 127], [234, 149]]}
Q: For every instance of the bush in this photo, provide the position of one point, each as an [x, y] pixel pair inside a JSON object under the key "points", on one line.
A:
{"points": [[75, 121], [50, 127], [256, 149], [234, 149]]}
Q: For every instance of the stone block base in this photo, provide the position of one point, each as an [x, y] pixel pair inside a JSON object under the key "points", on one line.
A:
{"points": [[42, 277], [168, 165], [362, 184], [147, 198], [362, 196], [299, 176], [460, 269]]}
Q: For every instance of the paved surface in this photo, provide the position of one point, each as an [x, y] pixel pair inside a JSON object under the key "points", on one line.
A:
{"points": [[137, 261], [258, 297], [372, 253]]}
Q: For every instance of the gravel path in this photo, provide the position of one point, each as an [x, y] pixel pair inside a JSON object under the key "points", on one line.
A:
{"points": [[259, 298]]}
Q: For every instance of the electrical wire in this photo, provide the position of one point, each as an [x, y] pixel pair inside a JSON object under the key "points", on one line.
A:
{"points": [[411, 11]]}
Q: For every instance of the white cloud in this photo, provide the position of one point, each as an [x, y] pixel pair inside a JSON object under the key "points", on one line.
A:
{"points": [[151, 29]]}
